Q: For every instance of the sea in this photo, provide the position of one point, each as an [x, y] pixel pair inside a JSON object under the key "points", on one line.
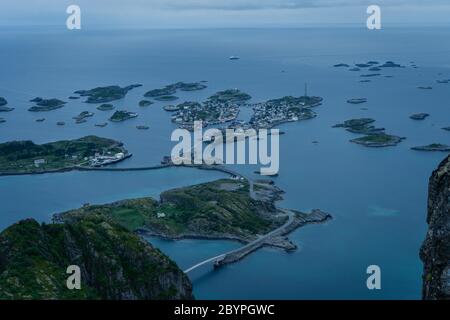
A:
{"points": [[377, 196]]}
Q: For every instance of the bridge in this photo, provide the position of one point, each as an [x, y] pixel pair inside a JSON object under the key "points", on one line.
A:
{"points": [[239, 253]]}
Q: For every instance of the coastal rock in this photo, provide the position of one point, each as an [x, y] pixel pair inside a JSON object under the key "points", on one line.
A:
{"points": [[435, 251]]}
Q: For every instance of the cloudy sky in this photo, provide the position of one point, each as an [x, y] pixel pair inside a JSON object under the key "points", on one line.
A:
{"points": [[222, 13]]}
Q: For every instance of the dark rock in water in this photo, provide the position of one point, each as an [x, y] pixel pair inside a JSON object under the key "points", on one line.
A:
{"points": [[357, 100], [101, 125], [6, 109], [60, 123], [354, 69], [74, 98], [446, 128], [2, 120], [443, 81], [433, 147], [115, 264], [145, 103], [40, 120], [391, 64], [340, 65], [369, 75], [3, 102], [362, 65], [425, 87], [419, 116], [435, 250], [375, 69], [105, 107], [46, 104], [365, 81], [142, 127]]}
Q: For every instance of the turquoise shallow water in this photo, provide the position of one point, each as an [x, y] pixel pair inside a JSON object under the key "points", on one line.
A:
{"points": [[376, 196]]}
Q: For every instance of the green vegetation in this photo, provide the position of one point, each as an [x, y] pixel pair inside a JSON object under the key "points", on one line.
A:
{"points": [[219, 208], [230, 96], [171, 89], [18, 157], [115, 263], [378, 140], [46, 104], [361, 126], [106, 94], [122, 115]]}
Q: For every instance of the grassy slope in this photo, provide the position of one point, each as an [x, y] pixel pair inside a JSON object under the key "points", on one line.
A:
{"points": [[222, 207]]}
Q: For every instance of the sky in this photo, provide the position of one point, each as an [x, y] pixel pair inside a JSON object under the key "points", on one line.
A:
{"points": [[222, 13]]}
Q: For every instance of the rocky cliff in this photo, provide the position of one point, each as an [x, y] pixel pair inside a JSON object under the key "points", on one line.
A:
{"points": [[114, 263], [435, 251]]}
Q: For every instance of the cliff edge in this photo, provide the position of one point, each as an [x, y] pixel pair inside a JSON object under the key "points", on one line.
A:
{"points": [[435, 251], [114, 263]]}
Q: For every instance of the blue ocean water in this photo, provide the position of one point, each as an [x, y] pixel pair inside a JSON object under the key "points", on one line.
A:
{"points": [[377, 196]]}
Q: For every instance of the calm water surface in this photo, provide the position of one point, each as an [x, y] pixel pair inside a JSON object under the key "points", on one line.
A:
{"points": [[376, 196]]}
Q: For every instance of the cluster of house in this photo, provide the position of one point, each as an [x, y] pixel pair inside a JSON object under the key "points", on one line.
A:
{"points": [[209, 112], [266, 114]]}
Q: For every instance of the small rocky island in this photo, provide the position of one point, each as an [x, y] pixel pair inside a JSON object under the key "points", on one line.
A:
{"points": [[374, 137], [378, 140], [83, 116], [357, 100], [3, 107], [105, 107], [46, 104], [171, 89], [433, 147], [419, 116], [26, 157], [145, 103], [106, 94], [122, 115], [115, 263]]}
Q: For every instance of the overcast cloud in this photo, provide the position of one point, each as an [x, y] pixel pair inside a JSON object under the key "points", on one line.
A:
{"points": [[221, 13]]}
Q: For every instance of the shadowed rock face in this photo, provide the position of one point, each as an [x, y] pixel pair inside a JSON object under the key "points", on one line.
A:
{"points": [[435, 251]]}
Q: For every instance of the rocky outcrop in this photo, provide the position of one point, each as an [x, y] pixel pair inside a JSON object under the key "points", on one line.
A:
{"points": [[114, 263], [435, 251]]}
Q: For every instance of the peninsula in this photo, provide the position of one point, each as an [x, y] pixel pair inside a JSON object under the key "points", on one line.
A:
{"points": [[230, 209]]}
